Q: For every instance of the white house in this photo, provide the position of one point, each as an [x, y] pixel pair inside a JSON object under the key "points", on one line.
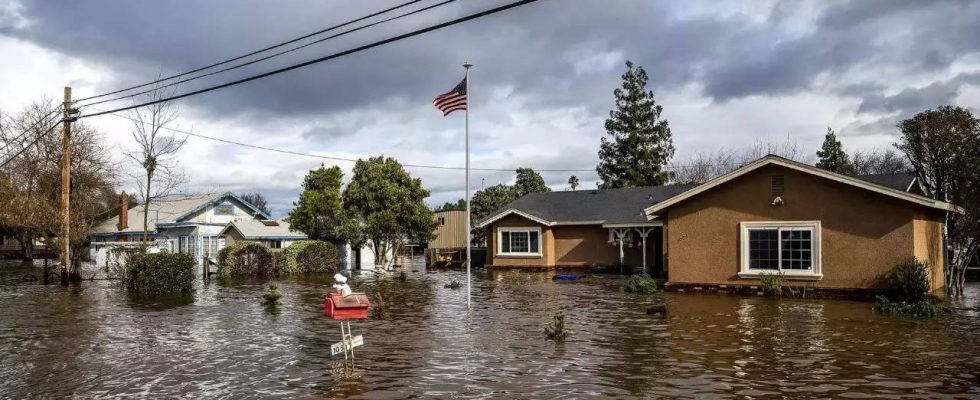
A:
{"points": [[185, 224]]}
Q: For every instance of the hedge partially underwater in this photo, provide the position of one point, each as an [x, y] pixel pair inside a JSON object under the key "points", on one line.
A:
{"points": [[311, 256], [246, 259], [159, 273]]}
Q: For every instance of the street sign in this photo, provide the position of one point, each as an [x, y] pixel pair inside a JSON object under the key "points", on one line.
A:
{"points": [[338, 347]]}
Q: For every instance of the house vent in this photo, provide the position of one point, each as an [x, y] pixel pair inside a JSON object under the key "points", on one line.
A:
{"points": [[778, 185], [270, 223]]}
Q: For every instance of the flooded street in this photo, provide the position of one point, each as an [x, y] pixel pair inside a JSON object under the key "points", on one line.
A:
{"points": [[96, 341]]}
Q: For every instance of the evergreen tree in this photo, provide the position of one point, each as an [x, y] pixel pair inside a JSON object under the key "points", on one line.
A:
{"points": [[640, 145], [529, 181], [573, 182], [832, 155]]}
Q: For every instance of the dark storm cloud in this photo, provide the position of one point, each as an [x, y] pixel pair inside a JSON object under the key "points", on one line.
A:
{"points": [[912, 100]]}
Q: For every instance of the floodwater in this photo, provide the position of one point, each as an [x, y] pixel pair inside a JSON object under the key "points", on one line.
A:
{"points": [[94, 341]]}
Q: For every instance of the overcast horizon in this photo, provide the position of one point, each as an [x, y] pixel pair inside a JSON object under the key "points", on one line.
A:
{"points": [[727, 75]]}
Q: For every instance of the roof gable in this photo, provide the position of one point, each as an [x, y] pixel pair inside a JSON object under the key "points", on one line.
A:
{"points": [[808, 169], [255, 229]]}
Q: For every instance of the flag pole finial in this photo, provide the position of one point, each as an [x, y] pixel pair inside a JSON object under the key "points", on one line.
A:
{"points": [[467, 64]]}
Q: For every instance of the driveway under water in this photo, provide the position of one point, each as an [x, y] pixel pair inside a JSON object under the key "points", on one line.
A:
{"points": [[95, 341]]}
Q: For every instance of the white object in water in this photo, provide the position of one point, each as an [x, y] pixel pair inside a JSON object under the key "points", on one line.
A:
{"points": [[341, 285]]}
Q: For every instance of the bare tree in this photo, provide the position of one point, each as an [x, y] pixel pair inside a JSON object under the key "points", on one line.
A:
{"points": [[258, 200], [704, 166], [155, 152], [888, 161]]}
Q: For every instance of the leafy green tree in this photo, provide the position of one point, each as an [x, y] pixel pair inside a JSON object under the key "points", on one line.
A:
{"points": [[485, 202], [573, 182], [458, 205], [529, 181], [388, 205], [641, 144], [943, 146], [832, 155], [319, 209]]}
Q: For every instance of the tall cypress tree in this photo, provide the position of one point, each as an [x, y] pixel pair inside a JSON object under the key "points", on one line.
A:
{"points": [[640, 145], [832, 155]]}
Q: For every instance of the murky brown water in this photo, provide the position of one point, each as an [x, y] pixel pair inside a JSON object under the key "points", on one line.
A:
{"points": [[95, 341]]}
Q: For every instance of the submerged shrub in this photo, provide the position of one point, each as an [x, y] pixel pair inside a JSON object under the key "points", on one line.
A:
{"points": [[311, 256], [379, 310], [556, 330], [773, 282], [160, 273], [271, 298], [908, 281], [641, 283], [246, 259], [454, 284], [926, 308]]}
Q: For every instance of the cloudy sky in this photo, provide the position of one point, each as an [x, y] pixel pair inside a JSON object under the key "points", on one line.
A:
{"points": [[728, 76]]}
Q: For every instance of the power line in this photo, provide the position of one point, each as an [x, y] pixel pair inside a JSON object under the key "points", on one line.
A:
{"points": [[31, 128], [36, 139], [255, 52], [155, 88], [325, 58], [344, 159]]}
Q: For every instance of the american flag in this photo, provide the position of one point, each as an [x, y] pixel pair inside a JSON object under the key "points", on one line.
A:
{"points": [[453, 100]]}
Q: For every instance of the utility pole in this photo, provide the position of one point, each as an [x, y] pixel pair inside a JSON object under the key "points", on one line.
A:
{"points": [[66, 269]]}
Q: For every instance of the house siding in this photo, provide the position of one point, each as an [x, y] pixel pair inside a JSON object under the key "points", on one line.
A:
{"points": [[928, 228], [452, 233], [863, 234], [571, 246]]}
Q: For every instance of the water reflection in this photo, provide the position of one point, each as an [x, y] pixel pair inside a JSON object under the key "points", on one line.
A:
{"points": [[95, 340]]}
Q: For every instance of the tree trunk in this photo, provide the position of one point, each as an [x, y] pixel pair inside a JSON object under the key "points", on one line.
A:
{"points": [[146, 207], [357, 257]]}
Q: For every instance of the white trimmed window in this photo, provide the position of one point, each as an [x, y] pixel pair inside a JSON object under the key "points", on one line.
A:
{"points": [[792, 248], [519, 241]]}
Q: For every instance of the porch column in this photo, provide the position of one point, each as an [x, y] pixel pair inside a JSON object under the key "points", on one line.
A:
{"points": [[644, 232], [620, 236]]}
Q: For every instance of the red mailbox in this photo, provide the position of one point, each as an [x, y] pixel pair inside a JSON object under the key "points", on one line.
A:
{"points": [[354, 306]]}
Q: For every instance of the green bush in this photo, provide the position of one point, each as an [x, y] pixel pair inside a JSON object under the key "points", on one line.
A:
{"points": [[311, 256], [773, 282], [641, 283], [908, 281], [246, 259], [160, 273], [926, 308]]}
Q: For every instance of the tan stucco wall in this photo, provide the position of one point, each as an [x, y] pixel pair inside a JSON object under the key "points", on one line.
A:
{"points": [[547, 244], [864, 234], [928, 229], [571, 245]]}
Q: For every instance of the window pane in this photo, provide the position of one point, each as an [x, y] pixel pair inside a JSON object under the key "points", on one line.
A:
{"points": [[763, 249], [797, 245], [505, 242], [533, 237], [518, 242]]}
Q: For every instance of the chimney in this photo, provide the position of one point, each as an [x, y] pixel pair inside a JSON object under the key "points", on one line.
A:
{"points": [[123, 211]]}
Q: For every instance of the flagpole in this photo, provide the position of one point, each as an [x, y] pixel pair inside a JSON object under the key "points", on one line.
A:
{"points": [[469, 238]]}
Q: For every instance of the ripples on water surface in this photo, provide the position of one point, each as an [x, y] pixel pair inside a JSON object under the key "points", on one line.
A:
{"points": [[95, 341]]}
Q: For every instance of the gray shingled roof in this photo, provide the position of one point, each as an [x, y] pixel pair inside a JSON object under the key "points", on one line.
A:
{"points": [[609, 206], [255, 229], [899, 181], [164, 210]]}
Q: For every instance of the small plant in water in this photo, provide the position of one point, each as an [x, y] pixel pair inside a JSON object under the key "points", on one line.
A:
{"points": [[454, 284], [556, 330], [773, 282], [908, 292], [271, 298], [402, 276], [641, 283], [379, 310]]}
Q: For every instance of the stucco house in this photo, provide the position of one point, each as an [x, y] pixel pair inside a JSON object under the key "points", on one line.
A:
{"points": [[186, 224], [818, 228], [274, 234]]}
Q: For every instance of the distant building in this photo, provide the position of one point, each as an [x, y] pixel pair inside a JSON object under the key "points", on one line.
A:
{"points": [[186, 224], [274, 234], [450, 230]]}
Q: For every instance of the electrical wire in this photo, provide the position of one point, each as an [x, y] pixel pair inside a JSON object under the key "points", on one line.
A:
{"points": [[322, 59], [36, 139], [255, 52], [31, 128], [155, 88]]}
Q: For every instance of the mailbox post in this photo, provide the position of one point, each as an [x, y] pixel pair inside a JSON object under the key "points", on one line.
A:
{"points": [[344, 309]]}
